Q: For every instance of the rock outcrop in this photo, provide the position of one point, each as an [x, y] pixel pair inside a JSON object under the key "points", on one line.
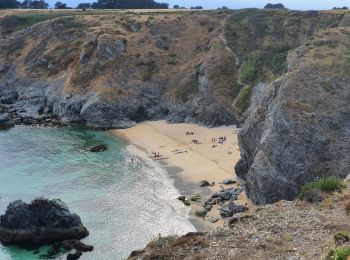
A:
{"points": [[113, 71], [298, 130], [38, 222], [5, 122]]}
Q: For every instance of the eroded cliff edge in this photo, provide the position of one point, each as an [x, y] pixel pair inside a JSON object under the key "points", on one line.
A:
{"points": [[298, 128], [112, 69]]}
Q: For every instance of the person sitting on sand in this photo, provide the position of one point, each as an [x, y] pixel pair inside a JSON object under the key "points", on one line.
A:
{"points": [[195, 141]]}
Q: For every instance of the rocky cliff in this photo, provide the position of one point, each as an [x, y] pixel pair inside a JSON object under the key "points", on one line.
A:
{"points": [[298, 128], [111, 69]]}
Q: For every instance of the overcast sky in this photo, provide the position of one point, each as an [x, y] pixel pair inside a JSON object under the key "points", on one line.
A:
{"points": [[235, 4]]}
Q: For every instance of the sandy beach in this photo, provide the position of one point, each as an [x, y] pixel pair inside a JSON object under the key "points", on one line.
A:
{"points": [[188, 163]]}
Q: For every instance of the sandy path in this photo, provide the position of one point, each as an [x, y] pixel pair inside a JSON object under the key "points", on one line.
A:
{"points": [[189, 163]]}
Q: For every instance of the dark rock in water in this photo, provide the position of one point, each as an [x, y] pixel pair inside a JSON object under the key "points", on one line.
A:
{"points": [[228, 182], [136, 253], [182, 198], [39, 222], [187, 203], [98, 148], [228, 210], [314, 195], [76, 255], [5, 122], [76, 244]]}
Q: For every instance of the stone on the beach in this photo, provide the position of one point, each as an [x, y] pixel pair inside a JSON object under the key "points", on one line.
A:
{"points": [[182, 198], [98, 148], [201, 213], [229, 209], [195, 198], [210, 202], [208, 207], [228, 194], [39, 222], [187, 203], [204, 184], [228, 182], [213, 219]]}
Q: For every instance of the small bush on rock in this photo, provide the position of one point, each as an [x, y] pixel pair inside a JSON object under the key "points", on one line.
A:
{"points": [[340, 253], [243, 99], [329, 184]]}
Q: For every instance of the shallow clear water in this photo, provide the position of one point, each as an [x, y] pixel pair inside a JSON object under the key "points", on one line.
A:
{"points": [[123, 202]]}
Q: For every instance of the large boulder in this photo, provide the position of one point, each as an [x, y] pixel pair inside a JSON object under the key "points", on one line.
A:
{"points": [[5, 122], [39, 222]]}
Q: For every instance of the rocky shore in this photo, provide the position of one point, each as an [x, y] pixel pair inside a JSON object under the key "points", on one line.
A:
{"points": [[43, 221], [284, 230]]}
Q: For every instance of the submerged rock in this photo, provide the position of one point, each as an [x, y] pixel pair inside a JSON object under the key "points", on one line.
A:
{"points": [[98, 148], [76, 244], [182, 198], [39, 222], [5, 122]]}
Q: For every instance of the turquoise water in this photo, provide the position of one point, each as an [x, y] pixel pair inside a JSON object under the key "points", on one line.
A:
{"points": [[123, 200]]}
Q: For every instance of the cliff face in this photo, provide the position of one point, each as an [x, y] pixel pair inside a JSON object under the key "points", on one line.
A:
{"points": [[298, 128], [111, 69]]}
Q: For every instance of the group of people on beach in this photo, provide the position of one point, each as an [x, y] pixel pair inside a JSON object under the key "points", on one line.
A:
{"points": [[219, 140]]}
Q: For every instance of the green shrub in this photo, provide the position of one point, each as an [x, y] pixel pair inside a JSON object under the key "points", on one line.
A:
{"points": [[329, 184], [340, 253], [251, 68], [242, 101], [341, 237]]}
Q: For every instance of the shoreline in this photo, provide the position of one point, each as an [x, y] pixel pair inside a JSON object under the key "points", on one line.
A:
{"points": [[186, 163]]}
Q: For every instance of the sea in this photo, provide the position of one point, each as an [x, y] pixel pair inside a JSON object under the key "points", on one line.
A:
{"points": [[123, 199]]}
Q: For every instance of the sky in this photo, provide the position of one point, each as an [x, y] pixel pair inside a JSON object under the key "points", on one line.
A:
{"points": [[236, 4]]}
